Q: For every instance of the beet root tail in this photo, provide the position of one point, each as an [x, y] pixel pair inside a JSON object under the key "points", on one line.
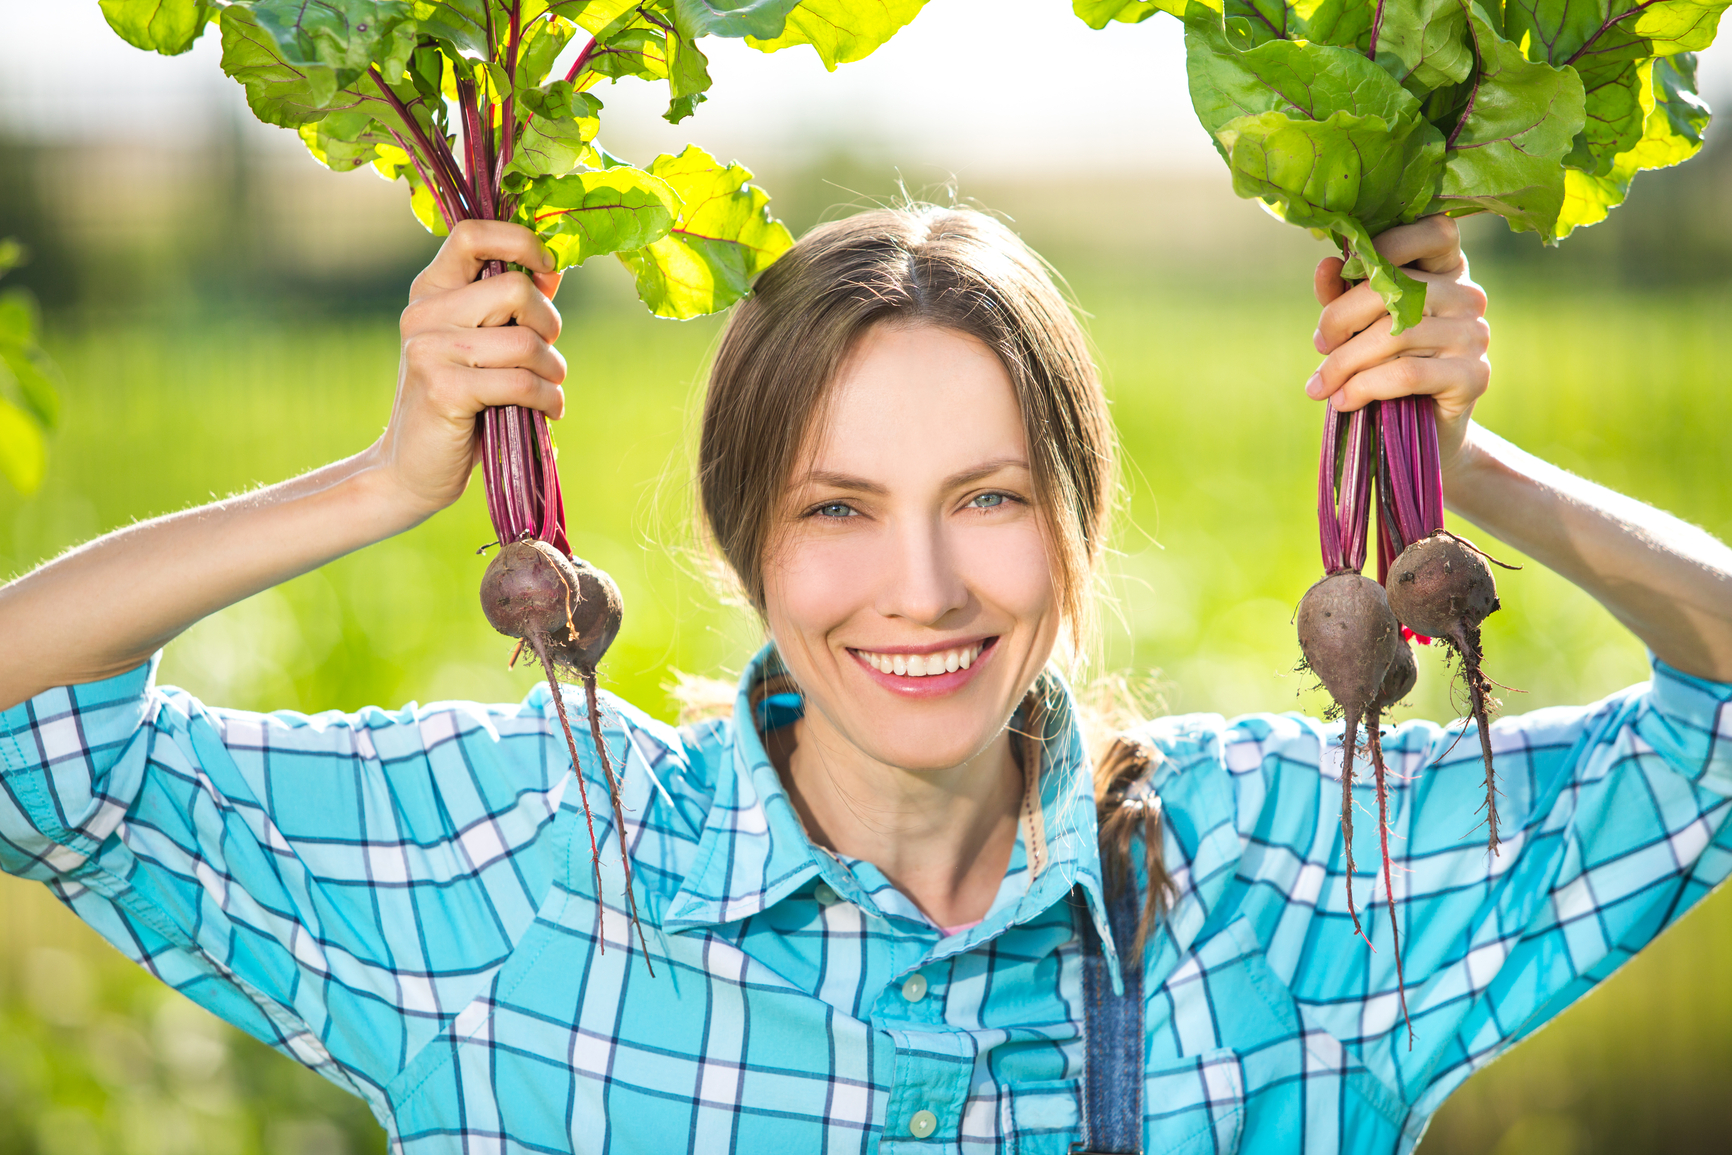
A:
{"points": [[540, 648], [1349, 739], [1380, 771], [1466, 644], [618, 816]]}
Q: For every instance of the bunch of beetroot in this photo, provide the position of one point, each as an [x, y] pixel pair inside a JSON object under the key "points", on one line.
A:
{"points": [[1432, 584]]}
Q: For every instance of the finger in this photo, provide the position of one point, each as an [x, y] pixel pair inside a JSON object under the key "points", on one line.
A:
{"points": [[1431, 243], [471, 245], [512, 387], [515, 347], [1326, 282], [548, 283], [1446, 337], [1353, 312], [490, 301], [1452, 297], [1464, 377], [1360, 308]]}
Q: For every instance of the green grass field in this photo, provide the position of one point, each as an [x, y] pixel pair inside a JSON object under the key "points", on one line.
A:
{"points": [[1218, 543]]}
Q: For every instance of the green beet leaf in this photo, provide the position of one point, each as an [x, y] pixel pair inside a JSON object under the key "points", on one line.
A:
{"points": [[1351, 176], [346, 36], [165, 26], [723, 238], [587, 214], [841, 31], [1303, 79], [1098, 14], [1425, 44], [556, 137], [278, 92], [1505, 154], [1672, 133], [763, 19]]}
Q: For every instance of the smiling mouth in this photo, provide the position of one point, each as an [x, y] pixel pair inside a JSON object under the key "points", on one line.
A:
{"points": [[925, 665]]}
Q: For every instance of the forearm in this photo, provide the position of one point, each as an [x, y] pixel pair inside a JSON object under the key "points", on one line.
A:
{"points": [[1668, 581], [104, 607]]}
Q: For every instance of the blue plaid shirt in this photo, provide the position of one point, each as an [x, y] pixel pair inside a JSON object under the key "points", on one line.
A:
{"points": [[404, 901]]}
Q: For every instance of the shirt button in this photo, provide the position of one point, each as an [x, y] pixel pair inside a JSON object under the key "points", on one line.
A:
{"points": [[824, 894], [914, 990], [922, 1124]]}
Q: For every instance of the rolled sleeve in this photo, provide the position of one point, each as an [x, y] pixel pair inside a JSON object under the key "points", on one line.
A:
{"points": [[1688, 722], [70, 766], [338, 885]]}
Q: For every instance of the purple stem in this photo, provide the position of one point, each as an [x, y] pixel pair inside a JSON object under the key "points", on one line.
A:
{"points": [[1355, 500], [438, 155], [1328, 527]]}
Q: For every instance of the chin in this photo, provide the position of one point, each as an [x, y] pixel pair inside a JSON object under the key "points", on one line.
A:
{"points": [[919, 738]]}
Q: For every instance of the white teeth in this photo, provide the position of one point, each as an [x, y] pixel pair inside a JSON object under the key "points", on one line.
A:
{"points": [[922, 665]]}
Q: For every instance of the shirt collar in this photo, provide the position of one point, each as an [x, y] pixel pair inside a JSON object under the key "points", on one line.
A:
{"points": [[754, 851]]}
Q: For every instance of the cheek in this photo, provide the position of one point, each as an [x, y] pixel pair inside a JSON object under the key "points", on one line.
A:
{"points": [[814, 583], [1008, 567]]}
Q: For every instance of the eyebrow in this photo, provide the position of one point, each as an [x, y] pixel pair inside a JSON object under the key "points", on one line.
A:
{"points": [[853, 484]]}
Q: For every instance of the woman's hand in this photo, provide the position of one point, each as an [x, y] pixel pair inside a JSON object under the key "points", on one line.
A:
{"points": [[1444, 355], [462, 353]]}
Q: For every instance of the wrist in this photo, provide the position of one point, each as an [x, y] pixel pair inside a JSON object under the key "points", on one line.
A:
{"points": [[379, 499], [1467, 465]]}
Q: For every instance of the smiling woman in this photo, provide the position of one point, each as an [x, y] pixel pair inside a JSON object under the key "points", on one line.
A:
{"points": [[891, 903]]}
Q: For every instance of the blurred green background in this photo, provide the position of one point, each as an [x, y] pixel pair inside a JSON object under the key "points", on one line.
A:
{"points": [[222, 333]]}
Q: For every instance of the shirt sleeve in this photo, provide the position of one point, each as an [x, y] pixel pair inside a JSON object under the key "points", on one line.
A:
{"points": [[337, 885], [1613, 819]]}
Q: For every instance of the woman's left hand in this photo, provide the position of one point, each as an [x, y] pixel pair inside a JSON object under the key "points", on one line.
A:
{"points": [[1444, 355]]}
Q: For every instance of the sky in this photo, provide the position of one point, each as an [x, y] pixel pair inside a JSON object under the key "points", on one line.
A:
{"points": [[986, 88]]}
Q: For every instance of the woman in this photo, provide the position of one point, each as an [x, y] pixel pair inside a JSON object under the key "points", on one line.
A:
{"points": [[874, 895]]}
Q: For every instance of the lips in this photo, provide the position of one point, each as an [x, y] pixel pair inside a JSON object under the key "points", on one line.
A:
{"points": [[903, 665], [941, 671]]}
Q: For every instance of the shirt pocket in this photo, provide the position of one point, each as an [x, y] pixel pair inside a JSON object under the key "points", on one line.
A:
{"points": [[1194, 1106]]}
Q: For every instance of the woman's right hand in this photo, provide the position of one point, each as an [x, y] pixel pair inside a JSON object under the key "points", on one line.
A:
{"points": [[461, 352]]}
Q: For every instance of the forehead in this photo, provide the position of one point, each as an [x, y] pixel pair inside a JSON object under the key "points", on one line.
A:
{"points": [[918, 400]]}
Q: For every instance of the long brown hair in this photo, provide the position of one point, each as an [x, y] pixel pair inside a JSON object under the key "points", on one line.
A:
{"points": [[955, 269]]}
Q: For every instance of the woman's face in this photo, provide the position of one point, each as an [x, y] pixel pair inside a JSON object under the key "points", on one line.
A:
{"points": [[909, 587]]}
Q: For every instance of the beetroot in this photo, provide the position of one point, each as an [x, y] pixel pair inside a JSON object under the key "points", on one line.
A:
{"points": [[1349, 638], [1441, 586], [567, 612]]}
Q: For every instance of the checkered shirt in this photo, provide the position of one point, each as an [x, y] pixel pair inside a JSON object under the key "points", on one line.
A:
{"points": [[404, 901]]}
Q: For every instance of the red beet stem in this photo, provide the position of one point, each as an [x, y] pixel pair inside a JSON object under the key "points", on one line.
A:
{"points": [[618, 816], [1374, 731], [540, 649], [1344, 489]]}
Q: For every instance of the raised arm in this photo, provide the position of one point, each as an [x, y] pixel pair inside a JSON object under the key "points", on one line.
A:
{"points": [[1668, 581], [104, 607]]}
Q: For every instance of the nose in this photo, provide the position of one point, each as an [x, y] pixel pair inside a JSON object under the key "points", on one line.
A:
{"points": [[922, 582]]}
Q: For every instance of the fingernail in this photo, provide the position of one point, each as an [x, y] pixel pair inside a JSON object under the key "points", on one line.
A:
{"points": [[1314, 387], [1317, 340]]}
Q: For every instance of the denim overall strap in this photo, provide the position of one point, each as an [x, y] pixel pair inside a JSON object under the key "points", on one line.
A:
{"points": [[1112, 1085]]}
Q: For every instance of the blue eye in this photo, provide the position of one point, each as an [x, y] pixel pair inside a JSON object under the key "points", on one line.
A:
{"points": [[834, 509], [988, 501]]}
